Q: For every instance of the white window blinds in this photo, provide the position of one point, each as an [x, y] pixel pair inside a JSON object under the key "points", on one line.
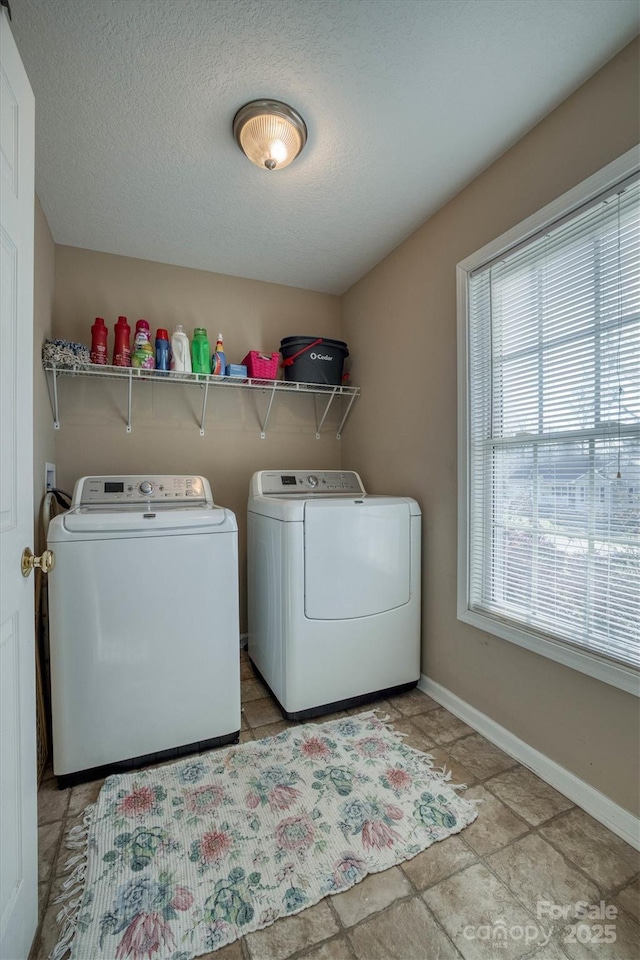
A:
{"points": [[554, 431]]}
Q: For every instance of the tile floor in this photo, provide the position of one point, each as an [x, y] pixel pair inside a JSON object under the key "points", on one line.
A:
{"points": [[528, 844]]}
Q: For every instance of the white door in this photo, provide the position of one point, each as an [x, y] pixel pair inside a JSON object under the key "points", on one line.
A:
{"points": [[18, 808]]}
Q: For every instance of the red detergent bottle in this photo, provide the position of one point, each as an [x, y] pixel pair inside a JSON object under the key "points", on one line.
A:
{"points": [[99, 334], [122, 345]]}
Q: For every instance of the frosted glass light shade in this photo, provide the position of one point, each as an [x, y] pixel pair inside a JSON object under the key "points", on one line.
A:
{"points": [[270, 133]]}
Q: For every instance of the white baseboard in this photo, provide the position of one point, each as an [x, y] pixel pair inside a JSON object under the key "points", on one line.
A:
{"points": [[597, 804]]}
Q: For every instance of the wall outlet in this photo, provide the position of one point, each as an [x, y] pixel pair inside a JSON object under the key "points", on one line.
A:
{"points": [[49, 476]]}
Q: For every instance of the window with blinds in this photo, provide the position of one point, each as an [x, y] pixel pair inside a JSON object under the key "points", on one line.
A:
{"points": [[553, 431]]}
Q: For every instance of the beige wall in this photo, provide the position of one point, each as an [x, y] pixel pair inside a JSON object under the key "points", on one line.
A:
{"points": [[165, 436], [400, 323], [43, 434]]}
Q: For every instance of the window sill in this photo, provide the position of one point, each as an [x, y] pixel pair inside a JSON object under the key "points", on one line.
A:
{"points": [[618, 675]]}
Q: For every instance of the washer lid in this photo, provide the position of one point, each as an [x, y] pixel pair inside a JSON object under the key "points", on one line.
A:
{"points": [[131, 520]]}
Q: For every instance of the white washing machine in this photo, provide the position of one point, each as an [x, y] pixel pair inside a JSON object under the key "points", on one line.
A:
{"points": [[144, 629], [333, 590]]}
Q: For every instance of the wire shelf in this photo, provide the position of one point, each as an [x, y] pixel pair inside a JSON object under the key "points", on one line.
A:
{"points": [[205, 381]]}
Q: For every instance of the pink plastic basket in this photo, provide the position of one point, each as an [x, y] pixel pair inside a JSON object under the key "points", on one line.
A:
{"points": [[260, 366]]}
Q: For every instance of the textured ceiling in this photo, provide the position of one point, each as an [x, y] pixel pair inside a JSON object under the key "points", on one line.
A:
{"points": [[406, 101]]}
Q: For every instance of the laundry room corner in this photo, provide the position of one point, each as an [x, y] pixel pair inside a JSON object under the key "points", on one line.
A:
{"points": [[319, 479], [165, 435]]}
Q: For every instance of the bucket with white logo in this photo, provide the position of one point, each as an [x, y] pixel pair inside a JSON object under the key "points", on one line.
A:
{"points": [[313, 359]]}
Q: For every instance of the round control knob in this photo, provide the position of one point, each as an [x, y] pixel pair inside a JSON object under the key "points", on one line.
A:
{"points": [[146, 487], [312, 481]]}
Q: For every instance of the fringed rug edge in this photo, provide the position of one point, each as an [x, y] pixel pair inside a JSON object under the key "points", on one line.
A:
{"points": [[73, 886]]}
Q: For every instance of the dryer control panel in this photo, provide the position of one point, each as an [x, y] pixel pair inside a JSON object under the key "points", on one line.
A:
{"points": [[141, 489], [308, 482]]}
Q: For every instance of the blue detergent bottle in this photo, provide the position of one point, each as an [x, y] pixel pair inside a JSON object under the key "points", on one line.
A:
{"points": [[163, 350]]}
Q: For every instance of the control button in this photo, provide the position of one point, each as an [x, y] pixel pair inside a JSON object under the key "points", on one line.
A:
{"points": [[312, 481], [146, 487]]}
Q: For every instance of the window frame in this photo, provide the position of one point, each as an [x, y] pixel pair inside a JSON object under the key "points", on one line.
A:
{"points": [[620, 675]]}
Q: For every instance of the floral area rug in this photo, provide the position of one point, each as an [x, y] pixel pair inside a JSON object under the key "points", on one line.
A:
{"points": [[180, 860]]}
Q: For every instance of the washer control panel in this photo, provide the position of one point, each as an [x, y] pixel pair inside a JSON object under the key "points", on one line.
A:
{"points": [[141, 489], [318, 483]]}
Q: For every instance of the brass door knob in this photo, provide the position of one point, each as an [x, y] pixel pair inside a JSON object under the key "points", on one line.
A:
{"points": [[46, 562]]}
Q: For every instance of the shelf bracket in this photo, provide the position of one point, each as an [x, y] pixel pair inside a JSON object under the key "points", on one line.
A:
{"points": [[204, 408], [344, 419], [263, 426], [130, 378], [52, 390], [326, 411]]}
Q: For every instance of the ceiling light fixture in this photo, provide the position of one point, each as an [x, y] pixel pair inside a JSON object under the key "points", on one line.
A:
{"points": [[270, 133]]}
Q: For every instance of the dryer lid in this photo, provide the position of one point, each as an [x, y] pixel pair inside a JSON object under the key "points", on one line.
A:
{"points": [[357, 557], [292, 508]]}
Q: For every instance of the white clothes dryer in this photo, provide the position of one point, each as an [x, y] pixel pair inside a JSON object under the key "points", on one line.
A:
{"points": [[334, 587], [144, 628]]}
